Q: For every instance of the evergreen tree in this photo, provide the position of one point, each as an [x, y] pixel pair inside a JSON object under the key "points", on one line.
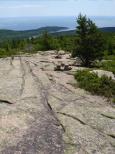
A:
{"points": [[110, 49], [45, 41], [90, 42]]}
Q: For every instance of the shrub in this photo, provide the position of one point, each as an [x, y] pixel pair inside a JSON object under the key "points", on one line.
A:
{"points": [[110, 57], [107, 65], [91, 82], [113, 100], [6, 53]]}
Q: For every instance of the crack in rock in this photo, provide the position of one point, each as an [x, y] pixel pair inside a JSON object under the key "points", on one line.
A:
{"points": [[70, 116], [23, 77], [108, 116], [6, 101]]}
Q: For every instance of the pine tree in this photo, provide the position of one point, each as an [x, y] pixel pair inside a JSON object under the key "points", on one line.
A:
{"points": [[90, 42]]}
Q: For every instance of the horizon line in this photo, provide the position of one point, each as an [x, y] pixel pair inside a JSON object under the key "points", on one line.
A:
{"points": [[54, 16]]}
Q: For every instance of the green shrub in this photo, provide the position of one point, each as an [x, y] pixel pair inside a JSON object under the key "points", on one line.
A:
{"points": [[107, 65], [7, 53], [110, 57], [113, 100], [91, 82]]}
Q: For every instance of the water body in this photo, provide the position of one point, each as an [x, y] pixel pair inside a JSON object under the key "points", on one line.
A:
{"points": [[27, 23]]}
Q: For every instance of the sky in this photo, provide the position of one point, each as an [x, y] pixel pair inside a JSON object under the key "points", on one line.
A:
{"points": [[24, 8]]}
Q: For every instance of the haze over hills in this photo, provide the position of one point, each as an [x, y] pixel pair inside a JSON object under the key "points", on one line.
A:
{"points": [[108, 29], [55, 30], [25, 27], [27, 23], [12, 34]]}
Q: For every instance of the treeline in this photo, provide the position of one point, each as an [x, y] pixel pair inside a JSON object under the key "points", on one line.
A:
{"points": [[42, 43], [48, 42], [13, 34]]}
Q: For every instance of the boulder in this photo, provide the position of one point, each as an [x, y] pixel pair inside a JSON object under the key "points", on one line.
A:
{"points": [[106, 73]]}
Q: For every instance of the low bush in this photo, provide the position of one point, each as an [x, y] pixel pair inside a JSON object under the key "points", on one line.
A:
{"points": [[107, 65], [110, 57], [113, 100], [4, 53], [96, 85]]}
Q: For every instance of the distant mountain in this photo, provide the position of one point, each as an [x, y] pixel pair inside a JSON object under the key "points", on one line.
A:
{"points": [[72, 32], [108, 29], [68, 32], [55, 30], [11, 34]]}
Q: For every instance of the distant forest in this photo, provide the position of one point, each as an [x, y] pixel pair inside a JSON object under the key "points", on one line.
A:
{"points": [[55, 30], [11, 34]]}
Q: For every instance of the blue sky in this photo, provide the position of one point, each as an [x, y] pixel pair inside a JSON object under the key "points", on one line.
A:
{"points": [[16, 8]]}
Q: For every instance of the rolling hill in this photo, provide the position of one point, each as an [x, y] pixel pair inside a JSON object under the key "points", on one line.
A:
{"points": [[55, 30], [10, 34]]}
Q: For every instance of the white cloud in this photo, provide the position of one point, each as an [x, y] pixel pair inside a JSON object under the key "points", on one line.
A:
{"points": [[22, 6]]}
